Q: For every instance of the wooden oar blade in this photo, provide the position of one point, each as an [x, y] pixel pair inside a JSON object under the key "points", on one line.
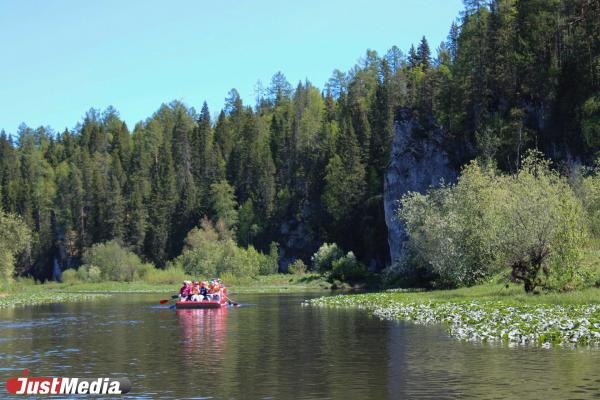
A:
{"points": [[164, 301]]}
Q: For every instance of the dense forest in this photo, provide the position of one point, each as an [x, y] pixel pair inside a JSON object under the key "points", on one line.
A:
{"points": [[303, 166]]}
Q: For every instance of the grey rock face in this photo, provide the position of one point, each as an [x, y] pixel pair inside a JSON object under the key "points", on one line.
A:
{"points": [[418, 161]]}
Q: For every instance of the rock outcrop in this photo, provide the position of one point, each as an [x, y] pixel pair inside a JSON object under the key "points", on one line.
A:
{"points": [[419, 159]]}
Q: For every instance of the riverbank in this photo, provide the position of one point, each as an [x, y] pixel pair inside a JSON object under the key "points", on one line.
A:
{"points": [[31, 295], [276, 283], [489, 313], [26, 292]]}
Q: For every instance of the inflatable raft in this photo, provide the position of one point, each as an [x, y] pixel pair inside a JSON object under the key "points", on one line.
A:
{"points": [[182, 305], [218, 300]]}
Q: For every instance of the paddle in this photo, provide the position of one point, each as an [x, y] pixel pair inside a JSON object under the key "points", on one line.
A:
{"points": [[173, 297], [233, 303]]}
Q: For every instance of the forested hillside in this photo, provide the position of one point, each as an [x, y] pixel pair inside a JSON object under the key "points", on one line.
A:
{"points": [[305, 165]]}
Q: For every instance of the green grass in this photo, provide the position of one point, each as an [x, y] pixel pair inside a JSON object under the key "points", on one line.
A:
{"points": [[278, 283], [514, 294]]}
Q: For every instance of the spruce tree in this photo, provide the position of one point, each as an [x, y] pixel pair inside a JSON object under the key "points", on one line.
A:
{"points": [[424, 54], [163, 198]]}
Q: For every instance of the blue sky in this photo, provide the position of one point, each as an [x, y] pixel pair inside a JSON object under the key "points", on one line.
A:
{"points": [[59, 58]]}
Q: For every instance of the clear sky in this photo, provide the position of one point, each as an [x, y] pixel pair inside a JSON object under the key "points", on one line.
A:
{"points": [[59, 58]]}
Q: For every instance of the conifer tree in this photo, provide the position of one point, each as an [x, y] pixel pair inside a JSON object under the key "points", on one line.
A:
{"points": [[424, 54]]}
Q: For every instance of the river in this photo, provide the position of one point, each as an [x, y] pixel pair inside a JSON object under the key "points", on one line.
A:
{"points": [[272, 347]]}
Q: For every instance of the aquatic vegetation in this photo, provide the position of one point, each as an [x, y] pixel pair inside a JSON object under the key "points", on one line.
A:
{"points": [[486, 321], [44, 297]]}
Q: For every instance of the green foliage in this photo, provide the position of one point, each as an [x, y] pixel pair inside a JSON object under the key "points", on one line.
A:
{"points": [[297, 267], [588, 190], [590, 123], [544, 233], [304, 166], [452, 230], [271, 266], [323, 259], [84, 273], [70, 276], [248, 224], [115, 262], [168, 276], [530, 222], [94, 274], [209, 254], [348, 268], [344, 180], [223, 203], [15, 237]]}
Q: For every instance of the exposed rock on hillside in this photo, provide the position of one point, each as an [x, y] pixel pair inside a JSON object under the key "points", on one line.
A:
{"points": [[419, 159]]}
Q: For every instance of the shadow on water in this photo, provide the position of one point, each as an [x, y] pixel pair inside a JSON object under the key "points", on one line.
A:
{"points": [[272, 347]]}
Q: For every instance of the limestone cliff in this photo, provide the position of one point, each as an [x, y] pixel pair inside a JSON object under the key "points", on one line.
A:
{"points": [[418, 160]]}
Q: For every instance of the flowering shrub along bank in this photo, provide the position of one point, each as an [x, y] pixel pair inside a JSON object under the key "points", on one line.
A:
{"points": [[487, 321]]}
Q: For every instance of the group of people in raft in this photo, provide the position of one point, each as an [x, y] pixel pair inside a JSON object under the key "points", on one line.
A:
{"points": [[211, 290]]}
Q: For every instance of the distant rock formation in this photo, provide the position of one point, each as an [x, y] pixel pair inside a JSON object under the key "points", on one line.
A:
{"points": [[419, 159]]}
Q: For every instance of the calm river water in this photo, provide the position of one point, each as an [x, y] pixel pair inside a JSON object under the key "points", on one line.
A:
{"points": [[272, 347]]}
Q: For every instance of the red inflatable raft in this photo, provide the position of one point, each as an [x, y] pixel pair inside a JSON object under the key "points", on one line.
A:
{"points": [[181, 305], [213, 303]]}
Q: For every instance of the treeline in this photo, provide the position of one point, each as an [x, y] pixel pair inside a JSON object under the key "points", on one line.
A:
{"points": [[303, 166]]}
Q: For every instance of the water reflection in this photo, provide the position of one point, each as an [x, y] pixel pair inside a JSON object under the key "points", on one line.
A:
{"points": [[203, 336]]}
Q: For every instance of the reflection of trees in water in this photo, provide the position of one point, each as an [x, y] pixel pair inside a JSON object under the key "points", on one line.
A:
{"points": [[203, 336], [287, 351]]}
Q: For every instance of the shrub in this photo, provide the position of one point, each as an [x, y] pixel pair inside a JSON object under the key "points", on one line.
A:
{"points": [[82, 273], [232, 280], [544, 234], [216, 258], [322, 260], [297, 267], [240, 261], [94, 274], [588, 190], [69, 276], [115, 262], [271, 265], [211, 251], [200, 261], [171, 276], [452, 229], [348, 268]]}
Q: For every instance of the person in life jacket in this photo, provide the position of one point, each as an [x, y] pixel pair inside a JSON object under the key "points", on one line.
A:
{"points": [[203, 291], [195, 291], [184, 292], [216, 290]]}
